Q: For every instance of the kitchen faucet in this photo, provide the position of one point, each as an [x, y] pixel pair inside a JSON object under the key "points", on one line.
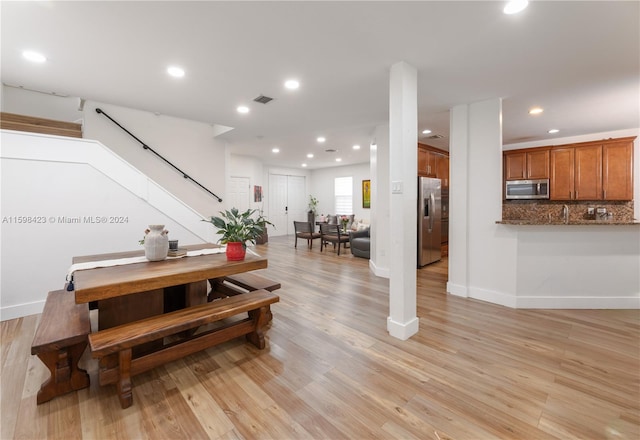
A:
{"points": [[565, 213]]}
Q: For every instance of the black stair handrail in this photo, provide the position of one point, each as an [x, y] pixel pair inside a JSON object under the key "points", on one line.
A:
{"points": [[146, 147]]}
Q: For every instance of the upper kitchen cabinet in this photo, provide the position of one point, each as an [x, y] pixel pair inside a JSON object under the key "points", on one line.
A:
{"points": [[562, 181], [433, 163], [526, 164], [588, 173], [426, 163], [442, 171], [617, 170], [601, 170], [576, 173]]}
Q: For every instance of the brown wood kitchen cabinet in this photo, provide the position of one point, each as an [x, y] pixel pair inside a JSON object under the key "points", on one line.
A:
{"points": [[526, 164], [433, 163], [442, 171], [617, 170], [561, 178], [599, 170], [576, 173]]}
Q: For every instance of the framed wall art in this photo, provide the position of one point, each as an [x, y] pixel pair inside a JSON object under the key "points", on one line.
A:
{"points": [[257, 193], [366, 194]]}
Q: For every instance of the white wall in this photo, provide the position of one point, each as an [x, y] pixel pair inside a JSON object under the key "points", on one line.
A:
{"points": [[322, 188], [41, 105], [189, 145], [64, 197]]}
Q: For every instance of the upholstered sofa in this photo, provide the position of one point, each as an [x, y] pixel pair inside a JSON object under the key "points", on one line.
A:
{"points": [[360, 243]]}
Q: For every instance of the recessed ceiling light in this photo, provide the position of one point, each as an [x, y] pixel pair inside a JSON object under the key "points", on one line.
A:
{"points": [[243, 109], [536, 111], [338, 159], [427, 131], [515, 6], [275, 150], [321, 139], [292, 84], [310, 155], [304, 164], [553, 130], [34, 56], [356, 147], [175, 71]]}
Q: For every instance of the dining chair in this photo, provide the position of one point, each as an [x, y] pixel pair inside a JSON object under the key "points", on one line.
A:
{"points": [[305, 230], [333, 234]]}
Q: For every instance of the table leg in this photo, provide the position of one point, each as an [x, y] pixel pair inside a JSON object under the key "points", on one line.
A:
{"points": [[123, 309]]}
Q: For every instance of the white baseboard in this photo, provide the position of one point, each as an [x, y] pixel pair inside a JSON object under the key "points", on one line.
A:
{"points": [[573, 302], [457, 289], [493, 297], [545, 302], [20, 310], [403, 330], [382, 272]]}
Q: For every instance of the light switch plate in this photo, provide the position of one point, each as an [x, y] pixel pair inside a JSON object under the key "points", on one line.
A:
{"points": [[396, 187]]}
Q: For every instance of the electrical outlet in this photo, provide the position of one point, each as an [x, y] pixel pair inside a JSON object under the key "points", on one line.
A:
{"points": [[591, 210]]}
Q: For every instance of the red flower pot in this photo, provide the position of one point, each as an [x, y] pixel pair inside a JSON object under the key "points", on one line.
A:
{"points": [[235, 251]]}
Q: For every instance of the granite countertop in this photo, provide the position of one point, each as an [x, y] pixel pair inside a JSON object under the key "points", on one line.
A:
{"points": [[573, 222]]}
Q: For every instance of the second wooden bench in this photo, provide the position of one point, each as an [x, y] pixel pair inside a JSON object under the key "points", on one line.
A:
{"points": [[114, 345], [240, 283]]}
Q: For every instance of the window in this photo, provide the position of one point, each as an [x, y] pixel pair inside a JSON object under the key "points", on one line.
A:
{"points": [[343, 193]]}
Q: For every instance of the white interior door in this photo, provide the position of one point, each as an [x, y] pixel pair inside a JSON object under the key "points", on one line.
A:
{"points": [[286, 202], [278, 204], [297, 200], [239, 193]]}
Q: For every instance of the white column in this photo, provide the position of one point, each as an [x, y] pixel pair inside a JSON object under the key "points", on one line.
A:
{"points": [[403, 142], [482, 255], [380, 189], [458, 190]]}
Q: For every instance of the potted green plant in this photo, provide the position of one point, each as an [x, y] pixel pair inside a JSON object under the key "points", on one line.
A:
{"points": [[313, 210], [237, 228]]}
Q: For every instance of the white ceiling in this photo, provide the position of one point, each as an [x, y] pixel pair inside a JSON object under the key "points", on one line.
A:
{"points": [[578, 60]]}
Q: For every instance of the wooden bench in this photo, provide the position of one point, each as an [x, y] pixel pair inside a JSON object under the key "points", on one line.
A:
{"points": [[59, 342], [240, 283], [114, 345]]}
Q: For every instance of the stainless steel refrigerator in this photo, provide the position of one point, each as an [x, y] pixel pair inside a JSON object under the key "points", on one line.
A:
{"points": [[429, 220]]}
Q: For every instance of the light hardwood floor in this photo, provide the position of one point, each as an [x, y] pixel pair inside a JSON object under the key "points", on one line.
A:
{"points": [[331, 371]]}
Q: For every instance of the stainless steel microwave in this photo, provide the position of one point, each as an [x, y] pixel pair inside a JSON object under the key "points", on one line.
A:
{"points": [[526, 189]]}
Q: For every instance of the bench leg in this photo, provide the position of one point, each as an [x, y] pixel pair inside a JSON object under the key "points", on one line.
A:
{"points": [[65, 374], [261, 319], [124, 380]]}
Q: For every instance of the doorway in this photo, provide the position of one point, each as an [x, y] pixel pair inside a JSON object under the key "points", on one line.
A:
{"points": [[287, 202]]}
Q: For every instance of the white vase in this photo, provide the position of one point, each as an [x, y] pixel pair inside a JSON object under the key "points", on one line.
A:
{"points": [[156, 243]]}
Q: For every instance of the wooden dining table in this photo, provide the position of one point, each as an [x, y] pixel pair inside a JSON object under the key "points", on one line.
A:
{"points": [[131, 292]]}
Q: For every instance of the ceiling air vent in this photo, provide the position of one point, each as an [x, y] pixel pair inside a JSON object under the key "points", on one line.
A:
{"points": [[435, 136], [263, 99], [330, 150]]}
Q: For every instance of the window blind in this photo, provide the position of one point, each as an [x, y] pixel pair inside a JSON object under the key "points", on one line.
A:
{"points": [[343, 195]]}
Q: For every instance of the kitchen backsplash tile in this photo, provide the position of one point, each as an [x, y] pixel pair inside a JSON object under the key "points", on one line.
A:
{"points": [[545, 211]]}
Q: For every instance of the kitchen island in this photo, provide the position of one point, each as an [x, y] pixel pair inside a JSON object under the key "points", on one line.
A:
{"points": [[528, 222], [579, 265]]}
